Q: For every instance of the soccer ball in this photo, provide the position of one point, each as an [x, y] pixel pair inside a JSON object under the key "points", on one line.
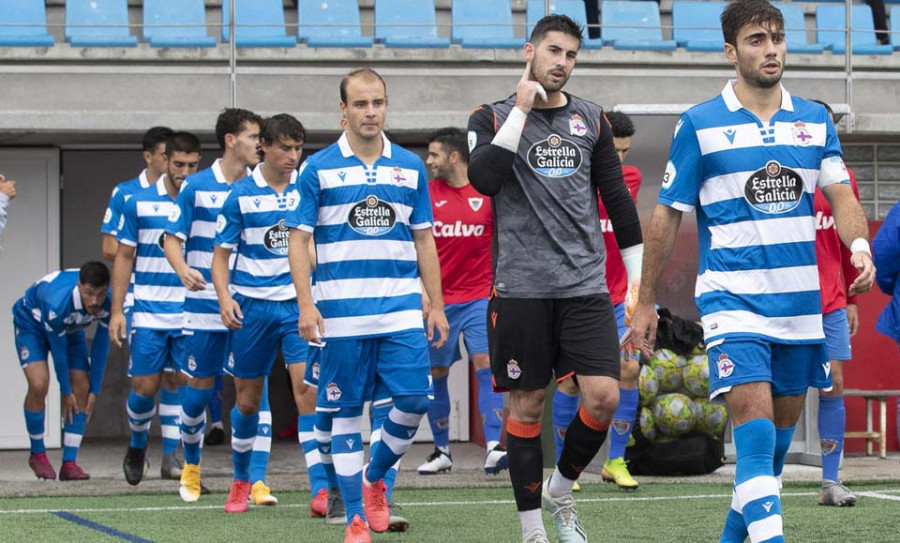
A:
{"points": [[648, 385], [673, 414], [648, 427], [696, 380], [663, 355], [669, 375], [713, 417], [699, 360]]}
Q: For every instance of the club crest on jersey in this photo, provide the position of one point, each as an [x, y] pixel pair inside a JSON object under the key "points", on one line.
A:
{"points": [[577, 126], [397, 176], [513, 371], [801, 134], [332, 392], [276, 239], [725, 366], [774, 189], [192, 363], [476, 203], [372, 217], [828, 446], [554, 157]]}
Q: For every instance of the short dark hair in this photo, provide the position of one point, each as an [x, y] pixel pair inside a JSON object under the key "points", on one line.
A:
{"points": [[740, 13], [94, 273], [155, 136], [453, 139], [231, 121], [182, 142], [556, 23], [621, 124], [365, 72], [282, 125]]}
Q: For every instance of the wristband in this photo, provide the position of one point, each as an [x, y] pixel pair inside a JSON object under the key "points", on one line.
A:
{"points": [[511, 132], [860, 244]]}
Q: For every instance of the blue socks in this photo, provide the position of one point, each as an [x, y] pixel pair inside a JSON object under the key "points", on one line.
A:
{"points": [[755, 486], [322, 432], [215, 403], [170, 425], [439, 415], [262, 447], [397, 434], [783, 437], [347, 455], [490, 406], [832, 422], [307, 438], [193, 421], [243, 436], [74, 431], [622, 422], [34, 423], [564, 409], [140, 413], [379, 415]]}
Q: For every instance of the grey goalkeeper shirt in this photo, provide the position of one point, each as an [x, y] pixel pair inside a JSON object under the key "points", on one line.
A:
{"points": [[548, 241]]}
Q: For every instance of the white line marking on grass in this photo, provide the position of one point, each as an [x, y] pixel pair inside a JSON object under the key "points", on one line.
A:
{"points": [[883, 494]]}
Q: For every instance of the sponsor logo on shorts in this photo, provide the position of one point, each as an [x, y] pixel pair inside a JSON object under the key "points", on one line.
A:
{"points": [[621, 426], [231, 359], [315, 371], [725, 366], [192, 363], [24, 353], [801, 134], [372, 217], [332, 392], [828, 446], [774, 189], [826, 367], [577, 126], [276, 239], [513, 370], [476, 203], [554, 157]]}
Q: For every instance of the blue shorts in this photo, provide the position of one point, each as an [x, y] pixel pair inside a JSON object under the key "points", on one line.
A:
{"points": [[790, 368], [313, 365], [32, 345], [469, 318], [155, 351], [206, 353], [353, 371], [837, 335], [268, 326]]}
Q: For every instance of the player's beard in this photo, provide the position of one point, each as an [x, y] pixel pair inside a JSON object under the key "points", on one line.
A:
{"points": [[754, 76], [549, 85]]}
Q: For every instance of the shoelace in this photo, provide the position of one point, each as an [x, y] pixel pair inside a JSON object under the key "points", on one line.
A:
{"points": [[380, 498], [566, 511]]}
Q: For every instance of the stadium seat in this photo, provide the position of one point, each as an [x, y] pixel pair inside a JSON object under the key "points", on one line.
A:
{"points": [[633, 26], [573, 8], [484, 24], [98, 23], [407, 23], [795, 29], [831, 24], [257, 23], [187, 19], [895, 27], [697, 25], [20, 13], [334, 23]]}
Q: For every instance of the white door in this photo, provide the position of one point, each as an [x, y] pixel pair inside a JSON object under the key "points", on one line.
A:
{"points": [[29, 249]]}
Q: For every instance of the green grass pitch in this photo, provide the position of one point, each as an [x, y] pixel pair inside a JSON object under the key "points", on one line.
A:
{"points": [[683, 512]]}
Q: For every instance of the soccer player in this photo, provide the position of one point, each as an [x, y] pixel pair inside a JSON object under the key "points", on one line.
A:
{"points": [[7, 193], [366, 200], [749, 161], [157, 344], [542, 155], [463, 227], [840, 320], [262, 312], [193, 223], [50, 318], [565, 400]]}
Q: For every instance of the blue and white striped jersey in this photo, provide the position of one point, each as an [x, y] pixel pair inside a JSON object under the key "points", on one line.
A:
{"points": [[194, 222], [112, 219], [158, 292], [752, 185], [367, 274], [253, 221]]}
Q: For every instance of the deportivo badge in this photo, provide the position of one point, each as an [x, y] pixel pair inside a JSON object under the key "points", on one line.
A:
{"points": [[577, 126], [801, 134], [513, 370], [725, 366]]}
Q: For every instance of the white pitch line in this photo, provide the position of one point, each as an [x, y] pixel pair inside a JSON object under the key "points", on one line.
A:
{"points": [[884, 495]]}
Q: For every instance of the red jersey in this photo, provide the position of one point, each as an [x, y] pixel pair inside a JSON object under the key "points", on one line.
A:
{"points": [[616, 277], [836, 274], [463, 227]]}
